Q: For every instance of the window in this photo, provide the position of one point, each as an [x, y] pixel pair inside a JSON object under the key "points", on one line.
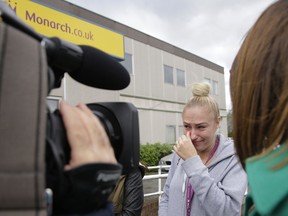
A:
{"points": [[207, 80], [168, 74], [180, 77], [127, 63], [180, 130], [213, 84], [170, 134], [215, 87]]}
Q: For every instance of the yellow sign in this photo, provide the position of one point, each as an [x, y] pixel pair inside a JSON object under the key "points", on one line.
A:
{"points": [[52, 23]]}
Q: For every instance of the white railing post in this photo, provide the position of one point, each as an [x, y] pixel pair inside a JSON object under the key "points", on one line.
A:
{"points": [[159, 184], [158, 176]]}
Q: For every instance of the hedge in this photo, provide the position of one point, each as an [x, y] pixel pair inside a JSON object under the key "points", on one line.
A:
{"points": [[150, 154]]}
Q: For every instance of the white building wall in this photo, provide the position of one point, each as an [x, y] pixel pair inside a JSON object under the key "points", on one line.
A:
{"points": [[159, 104]]}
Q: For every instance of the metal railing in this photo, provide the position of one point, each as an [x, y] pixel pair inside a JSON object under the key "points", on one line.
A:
{"points": [[158, 176]]}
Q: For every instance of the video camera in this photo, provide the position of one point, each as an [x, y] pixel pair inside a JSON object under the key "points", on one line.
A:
{"points": [[94, 68], [119, 119]]}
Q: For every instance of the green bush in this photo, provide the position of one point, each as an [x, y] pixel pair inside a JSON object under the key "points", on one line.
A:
{"points": [[150, 154]]}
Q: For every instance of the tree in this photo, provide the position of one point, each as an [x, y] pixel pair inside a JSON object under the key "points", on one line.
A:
{"points": [[229, 123]]}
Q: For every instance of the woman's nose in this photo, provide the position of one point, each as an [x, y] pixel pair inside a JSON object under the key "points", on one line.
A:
{"points": [[192, 134]]}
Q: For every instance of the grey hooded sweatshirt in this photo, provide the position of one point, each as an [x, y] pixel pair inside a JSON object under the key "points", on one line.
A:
{"points": [[218, 189]]}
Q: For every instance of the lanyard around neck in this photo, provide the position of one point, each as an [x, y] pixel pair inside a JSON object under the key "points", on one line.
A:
{"points": [[190, 191], [213, 150]]}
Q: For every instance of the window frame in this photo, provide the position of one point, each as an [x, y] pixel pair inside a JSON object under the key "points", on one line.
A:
{"points": [[168, 74]]}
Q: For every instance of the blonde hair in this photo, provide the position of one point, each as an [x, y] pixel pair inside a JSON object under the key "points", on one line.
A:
{"points": [[201, 97], [258, 83]]}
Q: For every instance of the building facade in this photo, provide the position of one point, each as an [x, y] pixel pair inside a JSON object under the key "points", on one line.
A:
{"points": [[161, 78]]}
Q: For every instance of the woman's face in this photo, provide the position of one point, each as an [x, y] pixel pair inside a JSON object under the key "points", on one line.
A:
{"points": [[202, 126]]}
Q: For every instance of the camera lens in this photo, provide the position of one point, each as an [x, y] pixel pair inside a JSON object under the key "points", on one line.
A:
{"points": [[111, 126]]}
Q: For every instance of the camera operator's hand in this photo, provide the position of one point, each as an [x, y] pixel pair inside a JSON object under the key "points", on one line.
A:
{"points": [[87, 138]]}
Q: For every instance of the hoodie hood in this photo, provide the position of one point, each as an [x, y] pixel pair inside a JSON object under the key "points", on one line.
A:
{"points": [[225, 150]]}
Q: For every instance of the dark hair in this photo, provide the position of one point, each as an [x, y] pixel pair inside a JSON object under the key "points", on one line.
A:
{"points": [[259, 84]]}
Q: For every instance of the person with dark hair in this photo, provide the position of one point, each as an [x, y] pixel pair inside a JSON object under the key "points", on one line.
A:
{"points": [[128, 195], [259, 93], [205, 177]]}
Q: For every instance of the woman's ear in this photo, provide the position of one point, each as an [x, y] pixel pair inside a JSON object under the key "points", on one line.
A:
{"points": [[218, 120]]}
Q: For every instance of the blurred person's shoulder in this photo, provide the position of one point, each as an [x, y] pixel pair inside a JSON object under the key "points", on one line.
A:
{"points": [[268, 188]]}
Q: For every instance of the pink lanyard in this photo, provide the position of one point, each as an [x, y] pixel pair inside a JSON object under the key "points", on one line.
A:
{"points": [[190, 191]]}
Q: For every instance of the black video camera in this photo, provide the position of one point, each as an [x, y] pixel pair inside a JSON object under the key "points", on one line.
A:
{"points": [[119, 119]]}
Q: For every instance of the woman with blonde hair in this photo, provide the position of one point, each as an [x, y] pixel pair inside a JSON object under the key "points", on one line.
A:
{"points": [[205, 177], [259, 92]]}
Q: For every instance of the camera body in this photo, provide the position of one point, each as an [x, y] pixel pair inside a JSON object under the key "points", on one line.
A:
{"points": [[71, 191], [120, 121]]}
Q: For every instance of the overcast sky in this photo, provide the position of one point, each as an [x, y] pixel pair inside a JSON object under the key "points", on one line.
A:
{"points": [[211, 29]]}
